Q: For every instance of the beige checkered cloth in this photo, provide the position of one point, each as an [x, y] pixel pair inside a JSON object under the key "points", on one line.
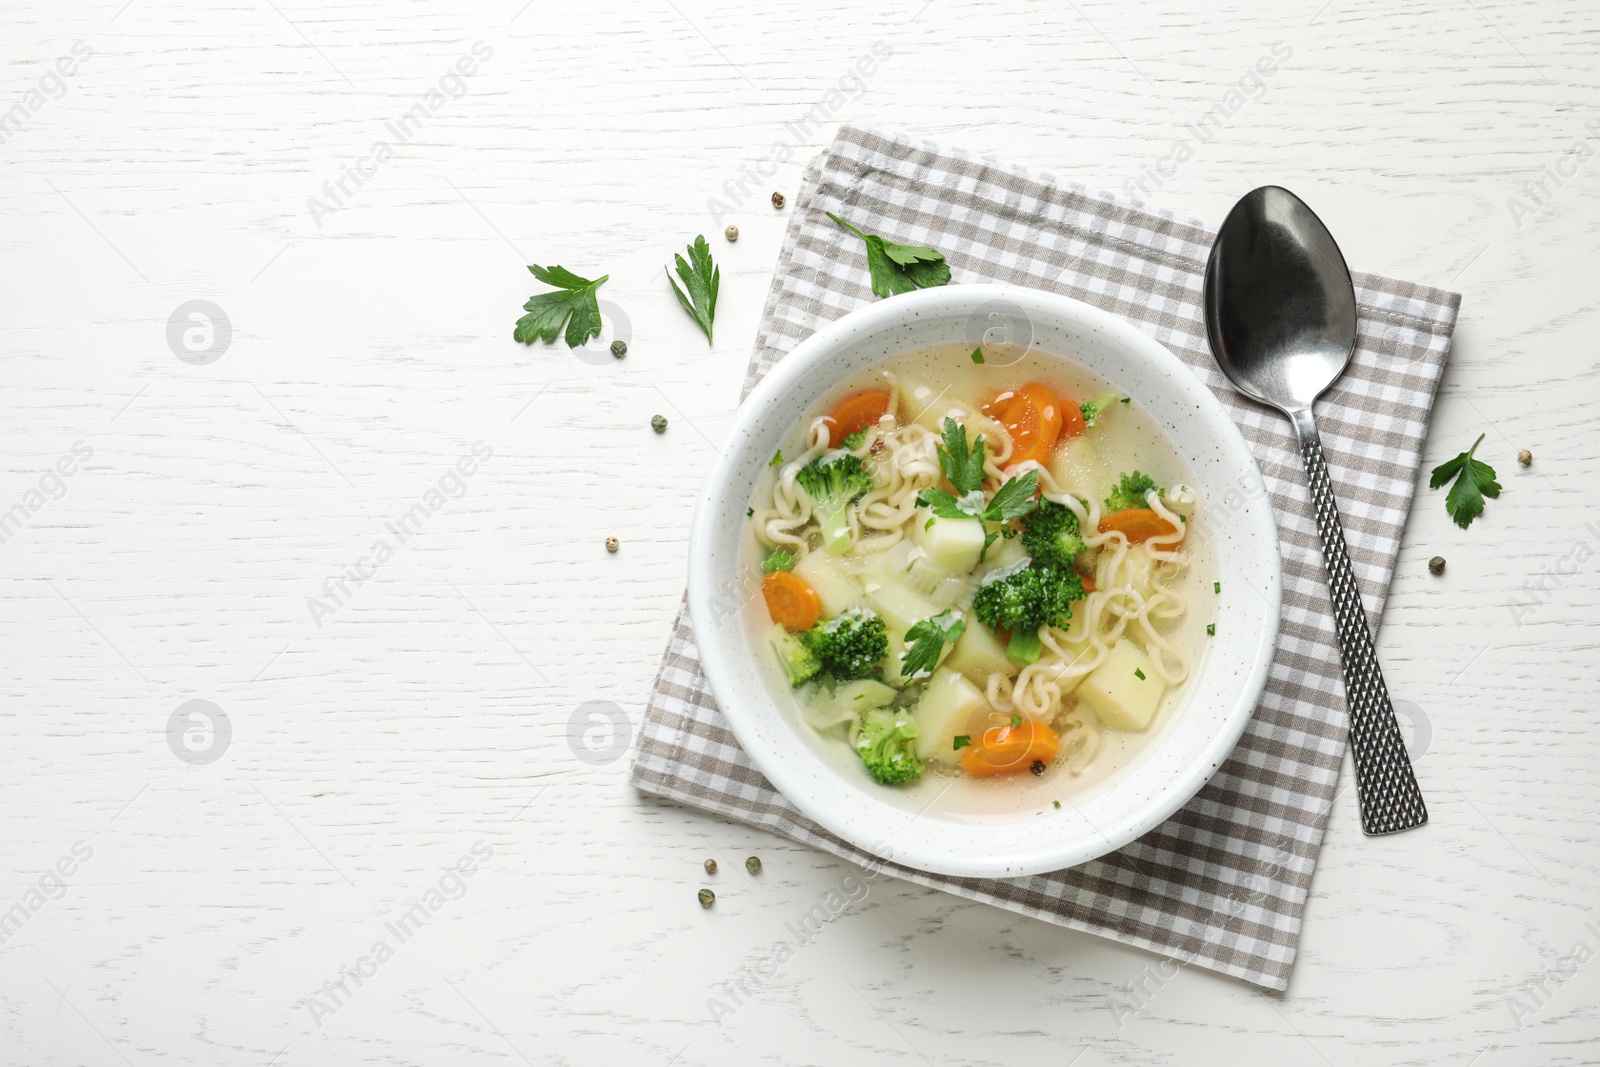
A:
{"points": [[1223, 883]]}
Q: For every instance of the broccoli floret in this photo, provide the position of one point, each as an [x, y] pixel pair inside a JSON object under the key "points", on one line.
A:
{"points": [[800, 665], [1093, 409], [834, 481], [1130, 491], [885, 745], [1050, 534], [850, 645], [1023, 597]]}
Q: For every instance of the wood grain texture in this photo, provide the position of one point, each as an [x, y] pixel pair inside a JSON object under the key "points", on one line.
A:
{"points": [[431, 711]]}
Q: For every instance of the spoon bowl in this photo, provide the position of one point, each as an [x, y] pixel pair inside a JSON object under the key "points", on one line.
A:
{"points": [[1280, 306]]}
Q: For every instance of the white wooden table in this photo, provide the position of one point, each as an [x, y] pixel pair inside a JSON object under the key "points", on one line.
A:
{"points": [[165, 909]]}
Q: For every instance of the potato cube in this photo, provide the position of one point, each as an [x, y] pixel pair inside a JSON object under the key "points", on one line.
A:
{"points": [[899, 607], [1124, 691], [836, 589], [978, 653], [945, 710], [952, 545]]}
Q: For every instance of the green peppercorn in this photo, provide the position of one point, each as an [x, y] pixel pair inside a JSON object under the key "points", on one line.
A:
{"points": [[619, 348], [1436, 565], [753, 864], [731, 233], [707, 898], [658, 423], [711, 866]]}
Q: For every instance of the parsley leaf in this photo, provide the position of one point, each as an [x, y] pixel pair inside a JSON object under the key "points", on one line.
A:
{"points": [[977, 354], [701, 278], [898, 268], [1014, 499], [572, 304], [925, 642], [964, 468], [945, 506], [962, 741], [1474, 481]]}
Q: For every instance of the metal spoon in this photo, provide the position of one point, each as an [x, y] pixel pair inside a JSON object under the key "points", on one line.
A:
{"points": [[1281, 317]]}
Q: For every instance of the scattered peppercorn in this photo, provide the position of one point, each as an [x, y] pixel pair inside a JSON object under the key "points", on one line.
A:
{"points": [[707, 898], [753, 864], [1037, 767], [711, 866], [1436, 565], [612, 544], [658, 423], [619, 348], [731, 233], [1524, 457], [777, 201]]}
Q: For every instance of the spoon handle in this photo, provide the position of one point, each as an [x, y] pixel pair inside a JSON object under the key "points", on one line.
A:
{"points": [[1390, 799]]}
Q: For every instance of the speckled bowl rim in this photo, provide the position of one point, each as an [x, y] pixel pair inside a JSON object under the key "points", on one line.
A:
{"points": [[1132, 800]]}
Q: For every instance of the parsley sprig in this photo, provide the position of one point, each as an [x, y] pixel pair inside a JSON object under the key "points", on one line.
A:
{"points": [[963, 466], [898, 268], [572, 304], [925, 642], [1474, 481], [700, 278]]}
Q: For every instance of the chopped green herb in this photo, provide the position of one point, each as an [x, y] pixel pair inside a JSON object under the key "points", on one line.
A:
{"points": [[1057, 803], [1474, 481], [962, 741], [1016, 720], [1139, 674], [572, 304], [963, 466], [898, 268], [1211, 629], [1127, 400], [929, 524], [1216, 587], [780, 560], [777, 458], [925, 642], [701, 279], [977, 355], [749, 513]]}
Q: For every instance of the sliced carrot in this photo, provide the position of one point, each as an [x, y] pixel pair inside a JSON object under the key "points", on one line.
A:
{"points": [[1138, 525], [1088, 582], [1010, 750], [856, 412], [1035, 417], [791, 601]]}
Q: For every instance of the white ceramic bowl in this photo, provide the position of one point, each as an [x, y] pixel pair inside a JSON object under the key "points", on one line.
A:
{"points": [[971, 828]]}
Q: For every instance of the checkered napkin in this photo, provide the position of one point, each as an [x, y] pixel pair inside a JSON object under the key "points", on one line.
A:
{"points": [[1222, 883]]}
